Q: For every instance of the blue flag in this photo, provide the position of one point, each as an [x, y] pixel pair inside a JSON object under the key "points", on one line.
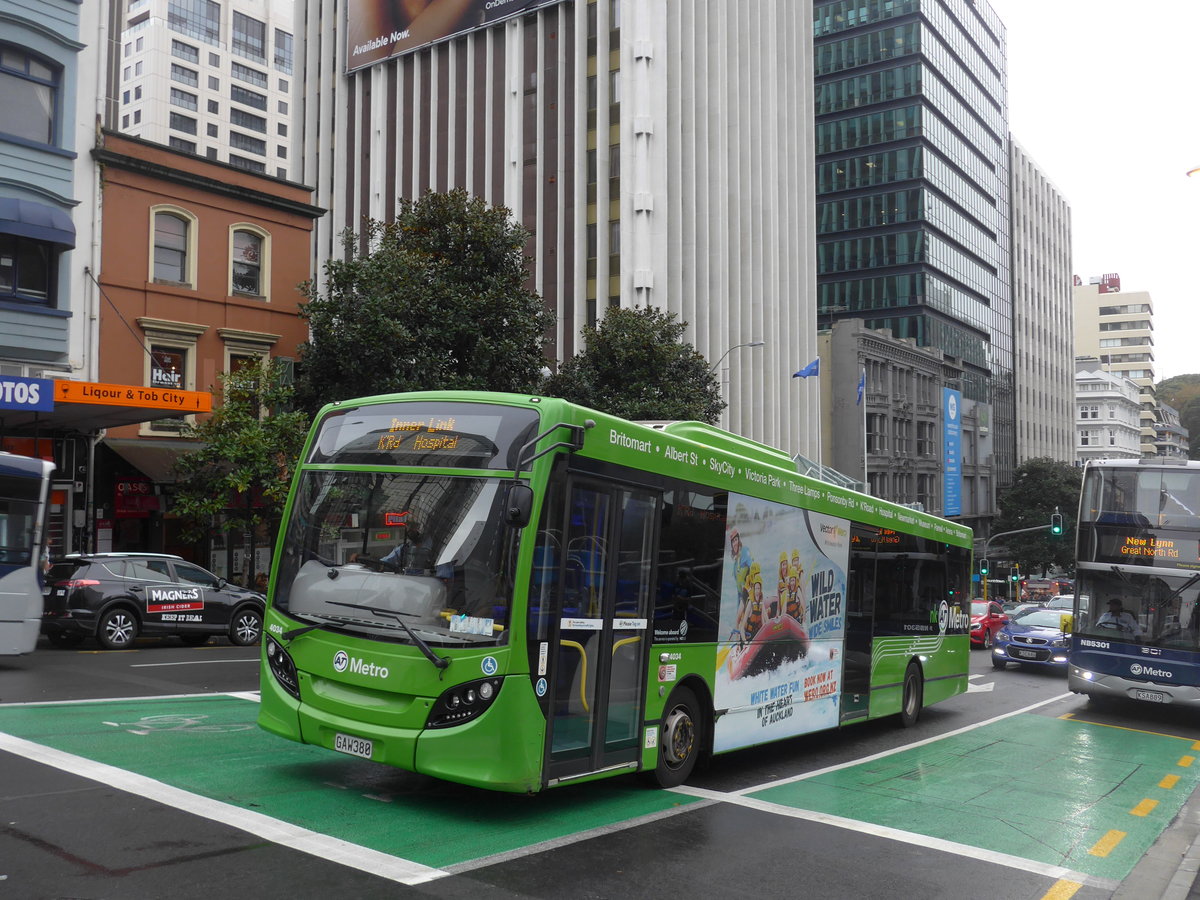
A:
{"points": [[813, 368], [862, 386]]}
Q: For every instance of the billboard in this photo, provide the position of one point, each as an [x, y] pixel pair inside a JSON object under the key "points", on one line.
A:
{"points": [[381, 29], [951, 452]]}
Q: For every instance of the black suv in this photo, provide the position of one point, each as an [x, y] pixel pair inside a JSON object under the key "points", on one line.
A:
{"points": [[117, 596]]}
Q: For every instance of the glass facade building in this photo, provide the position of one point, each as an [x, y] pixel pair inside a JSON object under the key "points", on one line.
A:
{"points": [[913, 185]]}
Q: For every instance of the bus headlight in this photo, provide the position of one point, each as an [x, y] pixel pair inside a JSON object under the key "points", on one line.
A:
{"points": [[463, 703], [282, 667]]}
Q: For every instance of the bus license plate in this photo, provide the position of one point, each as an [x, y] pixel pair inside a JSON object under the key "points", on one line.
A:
{"points": [[355, 746], [1152, 696]]}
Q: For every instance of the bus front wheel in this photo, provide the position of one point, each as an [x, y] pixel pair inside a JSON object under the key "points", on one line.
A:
{"points": [[910, 701], [680, 738]]}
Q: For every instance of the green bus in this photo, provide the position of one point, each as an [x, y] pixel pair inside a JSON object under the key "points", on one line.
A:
{"points": [[514, 592]]}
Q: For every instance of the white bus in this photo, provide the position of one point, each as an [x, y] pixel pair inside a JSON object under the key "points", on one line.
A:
{"points": [[24, 490]]}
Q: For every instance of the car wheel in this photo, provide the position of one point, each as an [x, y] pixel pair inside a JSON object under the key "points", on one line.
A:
{"points": [[63, 639], [910, 699], [987, 640], [117, 629], [681, 738], [246, 627], [195, 640]]}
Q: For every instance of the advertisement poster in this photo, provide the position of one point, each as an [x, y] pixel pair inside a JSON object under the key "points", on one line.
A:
{"points": [[783, 621]]}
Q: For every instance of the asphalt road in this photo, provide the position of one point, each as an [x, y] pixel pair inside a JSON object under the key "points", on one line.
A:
{"points": [[1010, 791]]}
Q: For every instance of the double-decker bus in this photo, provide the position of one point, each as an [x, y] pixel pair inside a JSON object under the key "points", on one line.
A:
{"points": [[1135, 619], [516, 593], [24, 489]]}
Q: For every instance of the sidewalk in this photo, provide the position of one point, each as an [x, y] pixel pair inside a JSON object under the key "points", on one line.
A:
{"points": [[1170, 868]]}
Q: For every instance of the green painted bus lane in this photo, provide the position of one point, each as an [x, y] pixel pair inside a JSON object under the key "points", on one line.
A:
{"points": [[1088, 797], [210, 746]]}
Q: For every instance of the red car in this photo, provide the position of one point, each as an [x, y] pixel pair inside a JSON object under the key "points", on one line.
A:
{"points": [[987, 617]]}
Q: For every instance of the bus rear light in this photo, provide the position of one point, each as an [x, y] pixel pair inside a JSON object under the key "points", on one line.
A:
{"points": [[283, 668], [463, 703]]}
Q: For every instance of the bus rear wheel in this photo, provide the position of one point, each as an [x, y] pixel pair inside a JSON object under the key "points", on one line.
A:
{"points": [[910, 700], [680, 738]]}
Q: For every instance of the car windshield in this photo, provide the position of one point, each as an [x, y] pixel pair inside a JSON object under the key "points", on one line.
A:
{"points": [[979, 609], [365, 548], [1041, 618]]}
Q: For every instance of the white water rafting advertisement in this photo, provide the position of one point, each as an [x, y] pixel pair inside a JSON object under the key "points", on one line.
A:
{"points": [[783, 621]]}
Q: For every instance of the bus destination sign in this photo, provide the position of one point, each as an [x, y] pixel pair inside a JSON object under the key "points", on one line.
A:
{"points": [[428, 435]]}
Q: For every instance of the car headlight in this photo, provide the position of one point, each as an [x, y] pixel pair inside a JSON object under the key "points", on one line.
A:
{"points": [[1061, 642], [975, 626], [1003, 635]]}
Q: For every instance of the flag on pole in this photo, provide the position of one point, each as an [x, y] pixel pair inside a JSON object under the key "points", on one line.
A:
{"points": [[862, 386], [813, 368]]}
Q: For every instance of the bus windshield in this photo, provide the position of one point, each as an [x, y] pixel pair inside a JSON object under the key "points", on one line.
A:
{"points": [[365, 549], [1154, 609]]}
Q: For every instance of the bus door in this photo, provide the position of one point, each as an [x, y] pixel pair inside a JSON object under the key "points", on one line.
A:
{"points": [[602, 639], [860, 620]]}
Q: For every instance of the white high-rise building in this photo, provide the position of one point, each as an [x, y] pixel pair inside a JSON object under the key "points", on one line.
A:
{"points": [[211, 78]]}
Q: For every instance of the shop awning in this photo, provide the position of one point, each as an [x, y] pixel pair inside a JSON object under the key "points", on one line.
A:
{"points": [[38, 221], [86, 406], [152, 457]]}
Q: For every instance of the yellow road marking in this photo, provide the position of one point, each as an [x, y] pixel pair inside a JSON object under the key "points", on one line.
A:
{"points": [[1144, 808], [1169, 782], [1186, 761], [1072, 717], [1107, 844], [1062, 890]]}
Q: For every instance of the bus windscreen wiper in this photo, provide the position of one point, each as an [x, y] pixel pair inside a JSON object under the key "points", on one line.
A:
{"points": [[440, 661]]}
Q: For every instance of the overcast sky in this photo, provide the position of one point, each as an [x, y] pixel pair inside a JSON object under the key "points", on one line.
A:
{"points": [[1102, 95]]}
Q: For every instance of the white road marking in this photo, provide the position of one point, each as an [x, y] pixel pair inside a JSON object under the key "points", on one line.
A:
{"points": [[193, 662]]}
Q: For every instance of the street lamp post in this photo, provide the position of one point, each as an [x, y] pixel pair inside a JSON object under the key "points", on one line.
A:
{"points": [[717, 364]]}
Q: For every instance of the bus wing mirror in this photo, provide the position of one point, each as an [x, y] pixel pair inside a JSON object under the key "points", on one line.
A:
{"points": [[520, 504]]}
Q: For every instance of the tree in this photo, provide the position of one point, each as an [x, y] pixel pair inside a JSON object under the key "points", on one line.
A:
{"points": [[1039, 488], [239, 476], [438, 301], [635, 365]]}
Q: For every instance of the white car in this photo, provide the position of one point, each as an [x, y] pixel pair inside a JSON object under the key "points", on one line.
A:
{"points": [[1065, 601]]}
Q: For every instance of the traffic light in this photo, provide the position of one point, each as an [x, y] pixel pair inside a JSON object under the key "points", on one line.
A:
{"points": [[983, 566], [1014, 574], [1056, 523]]}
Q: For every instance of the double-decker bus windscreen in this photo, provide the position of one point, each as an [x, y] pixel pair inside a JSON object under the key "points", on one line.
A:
{"points": [[389, 554]]}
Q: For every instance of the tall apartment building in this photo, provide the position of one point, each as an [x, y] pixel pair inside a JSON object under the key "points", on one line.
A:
{"points": [[1043, 324], [1117, 328], [211, 77], [660, 153], [913, 186], [1108, 411]]}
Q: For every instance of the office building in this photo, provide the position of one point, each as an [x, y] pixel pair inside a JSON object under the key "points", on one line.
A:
{"points": [[913, 190], [660, 154], [213, 79], [1117, 328], [1043, 324]]}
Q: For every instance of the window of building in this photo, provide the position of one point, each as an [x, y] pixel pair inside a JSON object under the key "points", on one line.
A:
{"points": [[125, 121], [282, 129], [212, 152], [213, 131], [183, 123], [137, 92], [249, 37], [137, 117], [185, 51], [170, 363], [247, 143], [283, 107], [27, 269], [214, 59], [124, 97], [281, 174], [141, 44], [283, 53], [250, 165], [200, 19], [249, 121], [183, 99], [248, 254], [281, 151], [137, 67], [214, 107], [128, 49], [248, 97], [174, 250], [184, 75], [126, 73], [181, 144], [247, 74], [29, 95], [283, 85], [214, 83]]}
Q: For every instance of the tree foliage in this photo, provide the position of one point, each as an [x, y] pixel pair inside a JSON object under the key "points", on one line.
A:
{"points": [[1040, 486], [635, 365], [1183, 393], [239, 476], [438, 301]]}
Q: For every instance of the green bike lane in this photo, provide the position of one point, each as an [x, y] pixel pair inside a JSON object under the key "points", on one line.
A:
{"points": [[1059, 792]]}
